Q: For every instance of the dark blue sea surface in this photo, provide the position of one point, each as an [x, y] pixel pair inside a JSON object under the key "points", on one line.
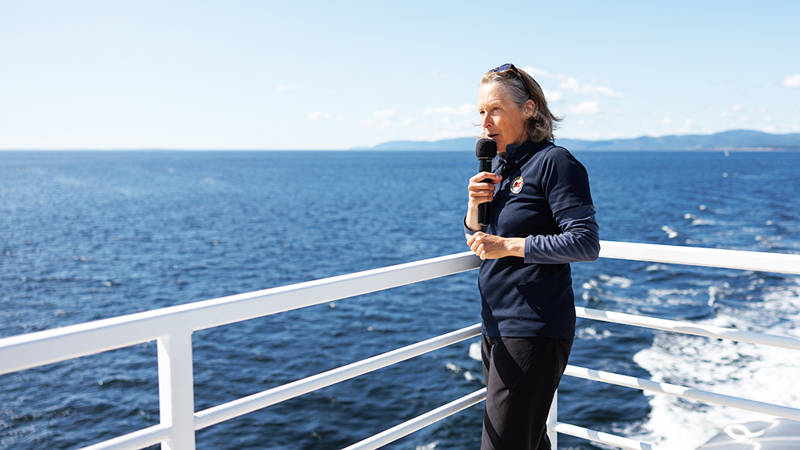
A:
{"points": [[91, 235]]}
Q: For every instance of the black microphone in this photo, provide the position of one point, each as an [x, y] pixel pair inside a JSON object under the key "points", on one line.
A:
{"points": [[485, 150]]}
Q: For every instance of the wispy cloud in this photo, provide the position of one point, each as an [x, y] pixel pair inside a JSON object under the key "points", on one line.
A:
{"points": [[285, 87], [386, 118], [443, 122], [539, 73], [587, 108], [571, 84], [465, 109], [689, 126], [553, 96], [733, 110], [384, 113], [792, 81], [319, 115]]}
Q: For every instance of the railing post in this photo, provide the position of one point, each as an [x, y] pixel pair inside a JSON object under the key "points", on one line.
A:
{"points": [[176, 389], [552, 421]]}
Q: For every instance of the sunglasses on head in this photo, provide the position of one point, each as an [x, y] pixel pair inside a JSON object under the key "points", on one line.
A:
{"points": [[510, 67], [504, 68]]}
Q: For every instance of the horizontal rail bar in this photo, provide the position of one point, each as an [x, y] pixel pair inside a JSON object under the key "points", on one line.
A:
{"points": [[235, 408], [689, 328], [603, 438], [49, 346], [138, 439], [699, 256], [419, 422], [684, 392]]}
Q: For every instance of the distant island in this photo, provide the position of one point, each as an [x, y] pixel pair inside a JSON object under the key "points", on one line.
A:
{"points": [[733, 140]]}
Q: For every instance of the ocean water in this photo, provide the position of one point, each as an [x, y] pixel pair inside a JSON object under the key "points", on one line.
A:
{"points": [[90, 235]]}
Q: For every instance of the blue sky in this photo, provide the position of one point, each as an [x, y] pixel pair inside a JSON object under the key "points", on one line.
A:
{"points": [[336, 74]]}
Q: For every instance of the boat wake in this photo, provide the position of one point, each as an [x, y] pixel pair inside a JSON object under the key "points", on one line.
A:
{"points": [[747, 370]]}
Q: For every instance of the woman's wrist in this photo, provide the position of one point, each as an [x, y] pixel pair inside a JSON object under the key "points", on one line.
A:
{"points": [[515, 247], [471, 219]]}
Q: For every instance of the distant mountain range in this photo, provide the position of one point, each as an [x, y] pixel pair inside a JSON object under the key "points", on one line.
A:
{"points": [[733, 140]]}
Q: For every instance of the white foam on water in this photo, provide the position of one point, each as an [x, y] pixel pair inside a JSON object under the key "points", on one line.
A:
{"points": [[590, 333], [615, 281], [726, 367], [430, 446], [671, 233], [452, 367], [714, 292], [475, 351], [697, 222], [672, 297], [656, 267]]}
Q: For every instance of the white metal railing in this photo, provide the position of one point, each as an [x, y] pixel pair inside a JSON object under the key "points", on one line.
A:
{"points": [[288, 391], [406, 428], [172, 329]]}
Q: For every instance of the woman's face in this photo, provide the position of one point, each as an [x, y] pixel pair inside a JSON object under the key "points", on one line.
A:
{"points": [[501, 119]]}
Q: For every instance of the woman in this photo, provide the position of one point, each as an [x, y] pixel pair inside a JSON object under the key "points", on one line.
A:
{"points": [[541, 219]]}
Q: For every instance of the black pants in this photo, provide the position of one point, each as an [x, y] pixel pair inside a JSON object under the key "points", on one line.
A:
{"points": [[521, 375]]}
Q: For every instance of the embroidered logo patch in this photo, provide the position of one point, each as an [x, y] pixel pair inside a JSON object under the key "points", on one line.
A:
{"points": [[516, 185]]}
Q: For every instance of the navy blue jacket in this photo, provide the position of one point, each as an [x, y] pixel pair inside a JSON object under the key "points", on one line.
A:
{"points": [[544, 197]]}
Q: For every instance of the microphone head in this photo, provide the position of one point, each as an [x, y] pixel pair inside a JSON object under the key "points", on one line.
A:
{"points": [[485, 148]]}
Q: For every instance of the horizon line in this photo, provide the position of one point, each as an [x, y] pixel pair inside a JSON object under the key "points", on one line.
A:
{"points": [[363, 147]]}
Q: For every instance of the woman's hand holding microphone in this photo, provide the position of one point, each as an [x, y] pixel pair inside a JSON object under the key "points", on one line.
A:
{"points": [[480, 191], [487, 246]]}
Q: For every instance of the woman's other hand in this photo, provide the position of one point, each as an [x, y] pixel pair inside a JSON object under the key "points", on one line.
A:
{"points": [[489, 246]]}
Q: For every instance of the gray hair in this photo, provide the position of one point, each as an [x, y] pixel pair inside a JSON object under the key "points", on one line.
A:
{"points": [[521, 87]]}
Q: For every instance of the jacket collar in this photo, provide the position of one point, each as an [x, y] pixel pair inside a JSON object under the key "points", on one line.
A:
{"points": [[516, 153]]}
